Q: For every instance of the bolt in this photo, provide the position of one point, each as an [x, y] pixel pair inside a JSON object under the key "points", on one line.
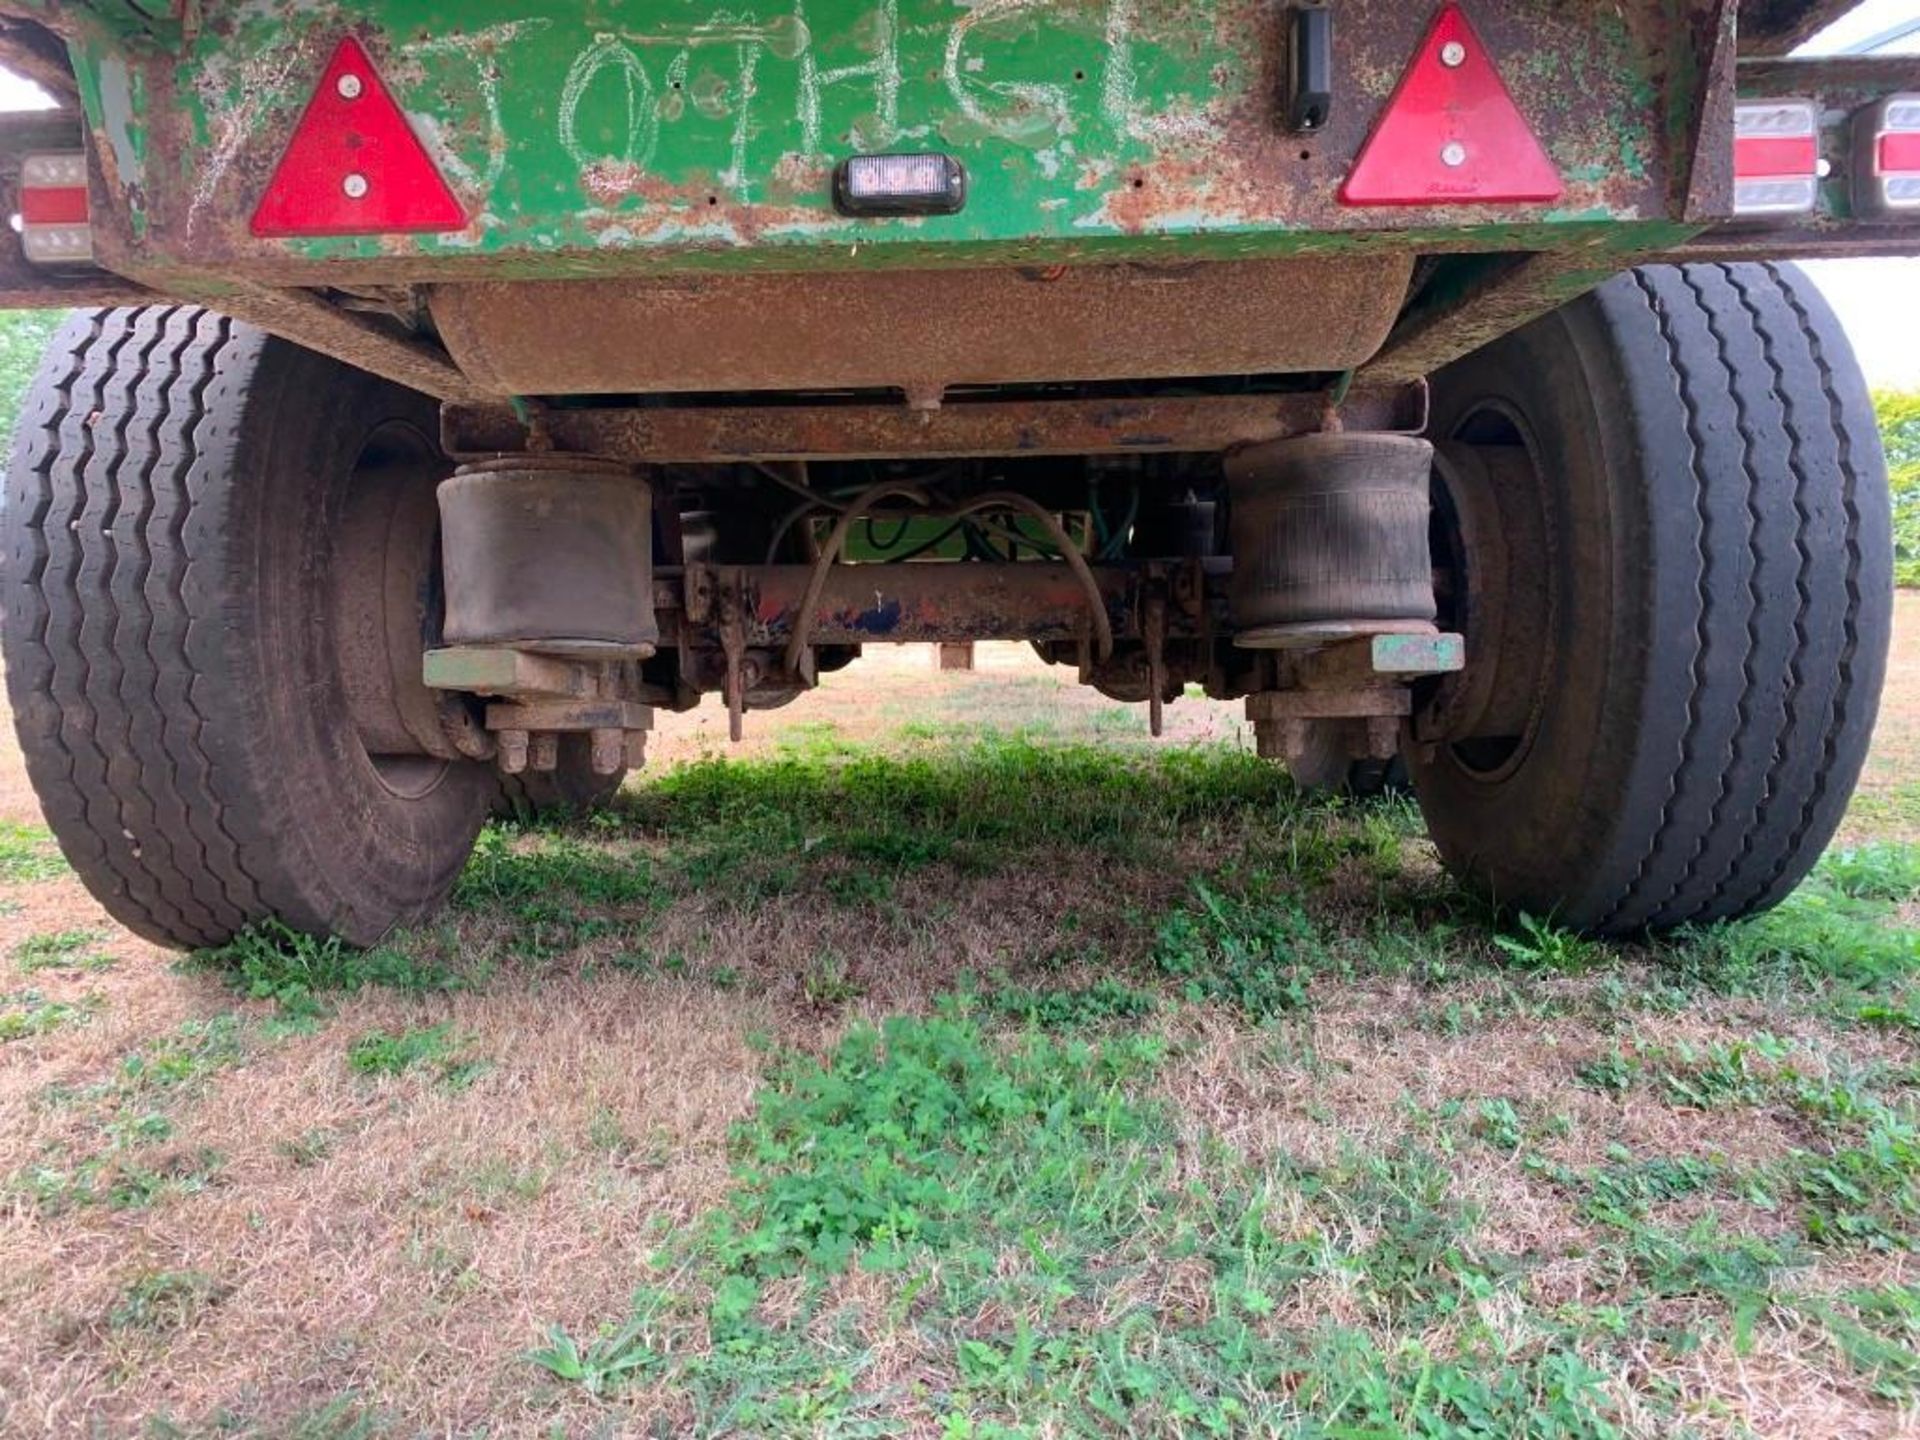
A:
{"points": [[1453, 153], [543, 752], [513, 751], [1453, 54], [355, 185], [348, 86], [609, 750]]}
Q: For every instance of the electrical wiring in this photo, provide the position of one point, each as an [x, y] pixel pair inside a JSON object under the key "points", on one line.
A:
{"points": [[798, 486], [859, 509], [897, 536], [830, 552], [1076, 561], [787, 523]]}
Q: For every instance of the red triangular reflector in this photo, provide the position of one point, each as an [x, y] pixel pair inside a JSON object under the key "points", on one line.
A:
{"points": [[354, 165], [1451, 135]]}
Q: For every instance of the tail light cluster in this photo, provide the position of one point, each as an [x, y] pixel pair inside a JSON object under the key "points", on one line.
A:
{"points": [[1886, 159], [1776, 158], [1778, 167], [53, 218]]}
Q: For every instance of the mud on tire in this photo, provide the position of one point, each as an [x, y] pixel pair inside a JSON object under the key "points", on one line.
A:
{"points": [[173, 656], [1689, 638]]}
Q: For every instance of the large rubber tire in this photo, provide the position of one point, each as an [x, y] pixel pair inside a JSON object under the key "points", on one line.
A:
{"points": [[171, 651], [1714, 544]]}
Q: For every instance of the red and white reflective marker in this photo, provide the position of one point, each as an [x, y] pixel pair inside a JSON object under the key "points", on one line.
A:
{"points": [[1776, 157], [1886, 163], [354, 165], [1451, 134], [54, 228]]}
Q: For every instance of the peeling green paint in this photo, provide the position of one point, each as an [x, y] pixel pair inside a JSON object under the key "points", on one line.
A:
{"points": [[606, 137]]}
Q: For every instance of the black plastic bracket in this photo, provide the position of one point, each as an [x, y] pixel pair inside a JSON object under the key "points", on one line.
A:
{"points": [[1309, 83]]}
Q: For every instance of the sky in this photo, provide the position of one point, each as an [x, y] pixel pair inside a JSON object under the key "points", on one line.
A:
{"points": [[1878, 301]]}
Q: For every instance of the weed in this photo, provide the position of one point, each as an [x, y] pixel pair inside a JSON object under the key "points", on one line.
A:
{"points": [[608, 1360], [124, 1177], [828, 983], [308, 1148], [1613, 1073], [1833, 936], [1542, 945], [856, 888], [1862, 1194], [1498, 1123], [194, 1050], [1877, 1329], [346, 1417], [269, 961], [1252, 955], [1621, 1191], [867, 1150], [510, 865], [1720, 1074], [993, 800], [1105, 1001], [384, 1052]]}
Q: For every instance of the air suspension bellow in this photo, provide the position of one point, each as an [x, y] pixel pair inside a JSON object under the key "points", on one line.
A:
{"points": [[1329, 539], [551, 554]]}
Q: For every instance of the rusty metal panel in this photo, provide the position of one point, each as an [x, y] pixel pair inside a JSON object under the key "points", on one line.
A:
{"points": [[915, 603], [670, 434], [921, 331]]}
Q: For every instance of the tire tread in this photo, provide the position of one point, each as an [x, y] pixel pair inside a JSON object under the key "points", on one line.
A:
{"points": [[1749, 799], [102, 473]]}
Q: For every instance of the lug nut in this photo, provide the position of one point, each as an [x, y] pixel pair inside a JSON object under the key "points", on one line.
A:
{"points": [[543, 753], [512, 751], [609, 751]]}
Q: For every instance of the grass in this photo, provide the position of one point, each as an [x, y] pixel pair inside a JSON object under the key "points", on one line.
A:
{"points": [[165, 1300], [26, 1014], [28, 854], [119, 1147], [979, 1069], [434, 1048], [62, 950], [1020, 1204]]}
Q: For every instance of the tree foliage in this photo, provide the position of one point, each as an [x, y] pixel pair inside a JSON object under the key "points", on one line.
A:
{"points": [[23, 336], [1899, 412]]}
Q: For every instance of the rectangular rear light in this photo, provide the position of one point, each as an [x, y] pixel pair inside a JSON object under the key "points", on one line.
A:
{"points": [[1886, 159], [53, 220], [1776, 157], [900, 185]]}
